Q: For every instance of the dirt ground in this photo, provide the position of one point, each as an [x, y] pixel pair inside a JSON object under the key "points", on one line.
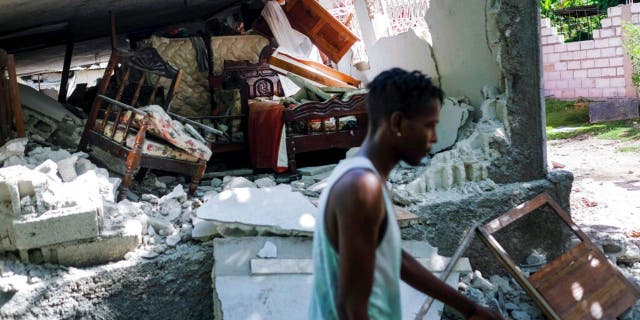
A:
{"points": [[606, 190]]}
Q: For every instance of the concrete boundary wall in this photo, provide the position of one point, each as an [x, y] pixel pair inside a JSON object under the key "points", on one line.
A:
{"points": [[597, 68]]}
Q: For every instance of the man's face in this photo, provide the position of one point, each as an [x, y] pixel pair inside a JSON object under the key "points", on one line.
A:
{"points": [[419, 133]]}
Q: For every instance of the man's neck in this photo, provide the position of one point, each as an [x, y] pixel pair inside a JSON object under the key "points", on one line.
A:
{"points": [[380, 156]]}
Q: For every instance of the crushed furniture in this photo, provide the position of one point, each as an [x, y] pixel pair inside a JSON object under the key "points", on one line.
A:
{"points": [[120, 125]]}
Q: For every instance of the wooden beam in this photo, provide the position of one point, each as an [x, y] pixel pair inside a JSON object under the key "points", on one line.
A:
{"points": [[62, 95]]}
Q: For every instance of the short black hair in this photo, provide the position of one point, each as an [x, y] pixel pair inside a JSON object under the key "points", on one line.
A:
{"points": [[399, 90]]}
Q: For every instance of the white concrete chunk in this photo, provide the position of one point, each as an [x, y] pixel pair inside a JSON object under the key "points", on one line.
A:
{"points": [[268, 251], [12, 148], [67, 169], [108, 247], [277, 208], [203, 229], [265, 183], [55, 226], [281, 266], [312, 171], [237, 182]]}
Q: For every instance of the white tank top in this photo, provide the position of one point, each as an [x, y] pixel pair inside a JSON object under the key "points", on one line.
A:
{"points": [[384, 302]]}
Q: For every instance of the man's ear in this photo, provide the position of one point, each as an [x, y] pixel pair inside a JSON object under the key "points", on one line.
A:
{"points": [[395, 121]]}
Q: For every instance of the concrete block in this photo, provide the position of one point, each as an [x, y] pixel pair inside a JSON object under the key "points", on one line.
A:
{"points": [[616, 21], [573, 46], [12, 148], [588, 83], [552, 75], [547, 49], [596, 34], [616, 62], [548, 31], [595, 93], [608, 52], [578, 74], [561, 66], [567, 94], [562, 84], [55, 226], [582, 92], [560, 47], [67, 168], [545, 23], [593, 53], [601, 43], [605, 23], [617, 82], [572, 65], [614, 11], [619, 71], [619, 51], [566, 75], [615, 42], [635, 7], [565, 56], [602, 83], [586, 45], [110, 246], [594, 73], [601, 63], [606, 33], [608, 72], [635, 18], [587, 64]]}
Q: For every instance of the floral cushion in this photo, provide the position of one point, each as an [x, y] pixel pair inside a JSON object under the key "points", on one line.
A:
{"points": [[150, 146], [162, 126]]}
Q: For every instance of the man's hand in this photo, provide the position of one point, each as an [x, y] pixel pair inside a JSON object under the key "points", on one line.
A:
{"points": [[482, 313]]}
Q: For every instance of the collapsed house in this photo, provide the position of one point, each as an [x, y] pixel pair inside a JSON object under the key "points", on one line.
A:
{"points": [[265, 98]]}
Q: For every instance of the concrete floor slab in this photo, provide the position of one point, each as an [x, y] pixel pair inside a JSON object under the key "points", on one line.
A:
{"points": [[277, 209], [250, 288]]}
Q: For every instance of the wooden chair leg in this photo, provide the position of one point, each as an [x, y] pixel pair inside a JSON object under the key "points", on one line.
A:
{"points": [[195, 180]]}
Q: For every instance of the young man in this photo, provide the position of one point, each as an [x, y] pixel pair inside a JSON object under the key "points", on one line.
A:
{"points": [[358, 259]]}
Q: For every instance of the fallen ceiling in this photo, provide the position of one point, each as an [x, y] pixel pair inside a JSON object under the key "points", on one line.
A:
{"points": [[29, 27]]}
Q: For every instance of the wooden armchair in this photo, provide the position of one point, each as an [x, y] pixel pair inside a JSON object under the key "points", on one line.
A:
{"points": [[117, 126]]}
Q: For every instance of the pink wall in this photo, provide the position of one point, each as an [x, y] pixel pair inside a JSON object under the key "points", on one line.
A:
{"points": [[595, 68]]}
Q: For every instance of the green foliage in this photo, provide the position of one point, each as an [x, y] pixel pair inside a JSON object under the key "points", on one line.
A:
{"points": [[575, 114], [576, 28], [631, 45]]}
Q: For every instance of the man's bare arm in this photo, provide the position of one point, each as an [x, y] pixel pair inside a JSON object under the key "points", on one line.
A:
{"points": [[359, 211], [417, 276]]}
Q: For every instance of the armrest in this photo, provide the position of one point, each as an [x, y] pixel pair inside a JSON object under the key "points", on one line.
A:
{"points": [[122, 105]]}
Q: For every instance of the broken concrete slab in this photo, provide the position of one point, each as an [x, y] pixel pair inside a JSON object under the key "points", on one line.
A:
{"points": [[278, 210], [55, 226], [452, 116], [312, 171], [12, 148], [67, 168], [222, 174], [240, 278], [265, 183], [110, 246], [236, 182]]}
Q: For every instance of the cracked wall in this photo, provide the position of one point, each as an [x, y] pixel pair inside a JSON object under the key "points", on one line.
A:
{"points": [[470, 45]]}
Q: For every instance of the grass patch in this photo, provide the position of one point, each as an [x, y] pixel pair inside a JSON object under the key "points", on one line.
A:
{"points": [[574, 114], [629, 149]]}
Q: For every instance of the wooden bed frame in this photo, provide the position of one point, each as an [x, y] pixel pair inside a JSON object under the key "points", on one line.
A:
{"points": [[261, 81], [324, 138]]}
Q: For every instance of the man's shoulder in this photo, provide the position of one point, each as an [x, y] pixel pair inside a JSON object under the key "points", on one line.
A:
{"points": [[358, 180]]}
